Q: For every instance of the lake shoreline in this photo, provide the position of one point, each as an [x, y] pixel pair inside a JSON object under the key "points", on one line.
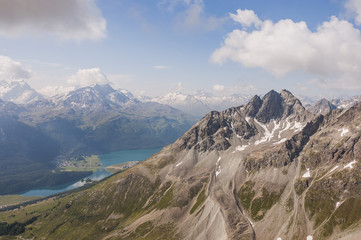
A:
{"points": [[114, 161]]}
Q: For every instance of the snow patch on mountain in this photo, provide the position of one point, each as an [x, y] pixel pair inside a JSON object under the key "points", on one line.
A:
{"points": [[288, 125], [297, 126], [343, 131], [219, 159], [307, 174], [333, 169], [178, 164], [240, 148], [219, 170], [350, 165], [267, 134]]}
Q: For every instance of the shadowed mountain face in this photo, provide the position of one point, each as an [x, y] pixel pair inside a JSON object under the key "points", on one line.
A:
{"points": [[91, 120], [266, 170]]}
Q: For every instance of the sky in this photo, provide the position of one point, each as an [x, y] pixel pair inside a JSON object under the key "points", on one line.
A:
{"points": [[152, 47]]}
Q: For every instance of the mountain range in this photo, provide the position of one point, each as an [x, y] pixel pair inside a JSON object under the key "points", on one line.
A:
{"points": [[268, 169], [200, 103], [94, 120], [91, 120], [197, 104]]}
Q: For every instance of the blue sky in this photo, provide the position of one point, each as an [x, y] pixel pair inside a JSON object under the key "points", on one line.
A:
{"points": [[153, 47]]}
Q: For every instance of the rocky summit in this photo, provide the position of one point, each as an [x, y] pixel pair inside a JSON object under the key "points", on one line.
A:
{"points": [[269, 169], [321, 107]]}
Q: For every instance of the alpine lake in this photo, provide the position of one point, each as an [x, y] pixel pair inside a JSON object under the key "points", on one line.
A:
{"points": [[107, 160]]}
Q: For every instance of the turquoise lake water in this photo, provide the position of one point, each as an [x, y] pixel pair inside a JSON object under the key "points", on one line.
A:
{"points": [[106, 160]]}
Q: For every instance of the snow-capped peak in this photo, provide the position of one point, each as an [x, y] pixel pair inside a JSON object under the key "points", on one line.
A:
{"points": [[95, 96], [18, 91]]}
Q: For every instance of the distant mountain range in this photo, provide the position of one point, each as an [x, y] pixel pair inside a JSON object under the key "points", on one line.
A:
{"points": [[90, 120], [269, 169], [201, 103], [197, 104]]}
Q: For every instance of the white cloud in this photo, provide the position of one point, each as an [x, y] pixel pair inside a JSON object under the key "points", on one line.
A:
{"points": [[301, 86], [238, 88], [243, 88], [160, 67], [193, 17], [354, 8], [332, 53], [67, 19], [11, 70], [86, 77], [246, 18], [218, 88], [51, 91]]}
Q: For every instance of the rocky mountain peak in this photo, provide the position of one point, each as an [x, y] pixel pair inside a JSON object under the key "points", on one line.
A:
{"points": [[253, 106], [103, 89], [274, 105], [287, 94], [96, 97], [323, 106], [272, 119]]}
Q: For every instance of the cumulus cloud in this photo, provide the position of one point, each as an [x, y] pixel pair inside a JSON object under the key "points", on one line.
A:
{"points": [[246, 18], [244, 88], [51, 91], [11, 70], [332, 53], [240, 87], [354, 8], [67, 19], [86, 77], [218, 88]]}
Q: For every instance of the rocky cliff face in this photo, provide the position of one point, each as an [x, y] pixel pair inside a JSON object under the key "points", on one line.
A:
{"points": [[265, 170]]}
